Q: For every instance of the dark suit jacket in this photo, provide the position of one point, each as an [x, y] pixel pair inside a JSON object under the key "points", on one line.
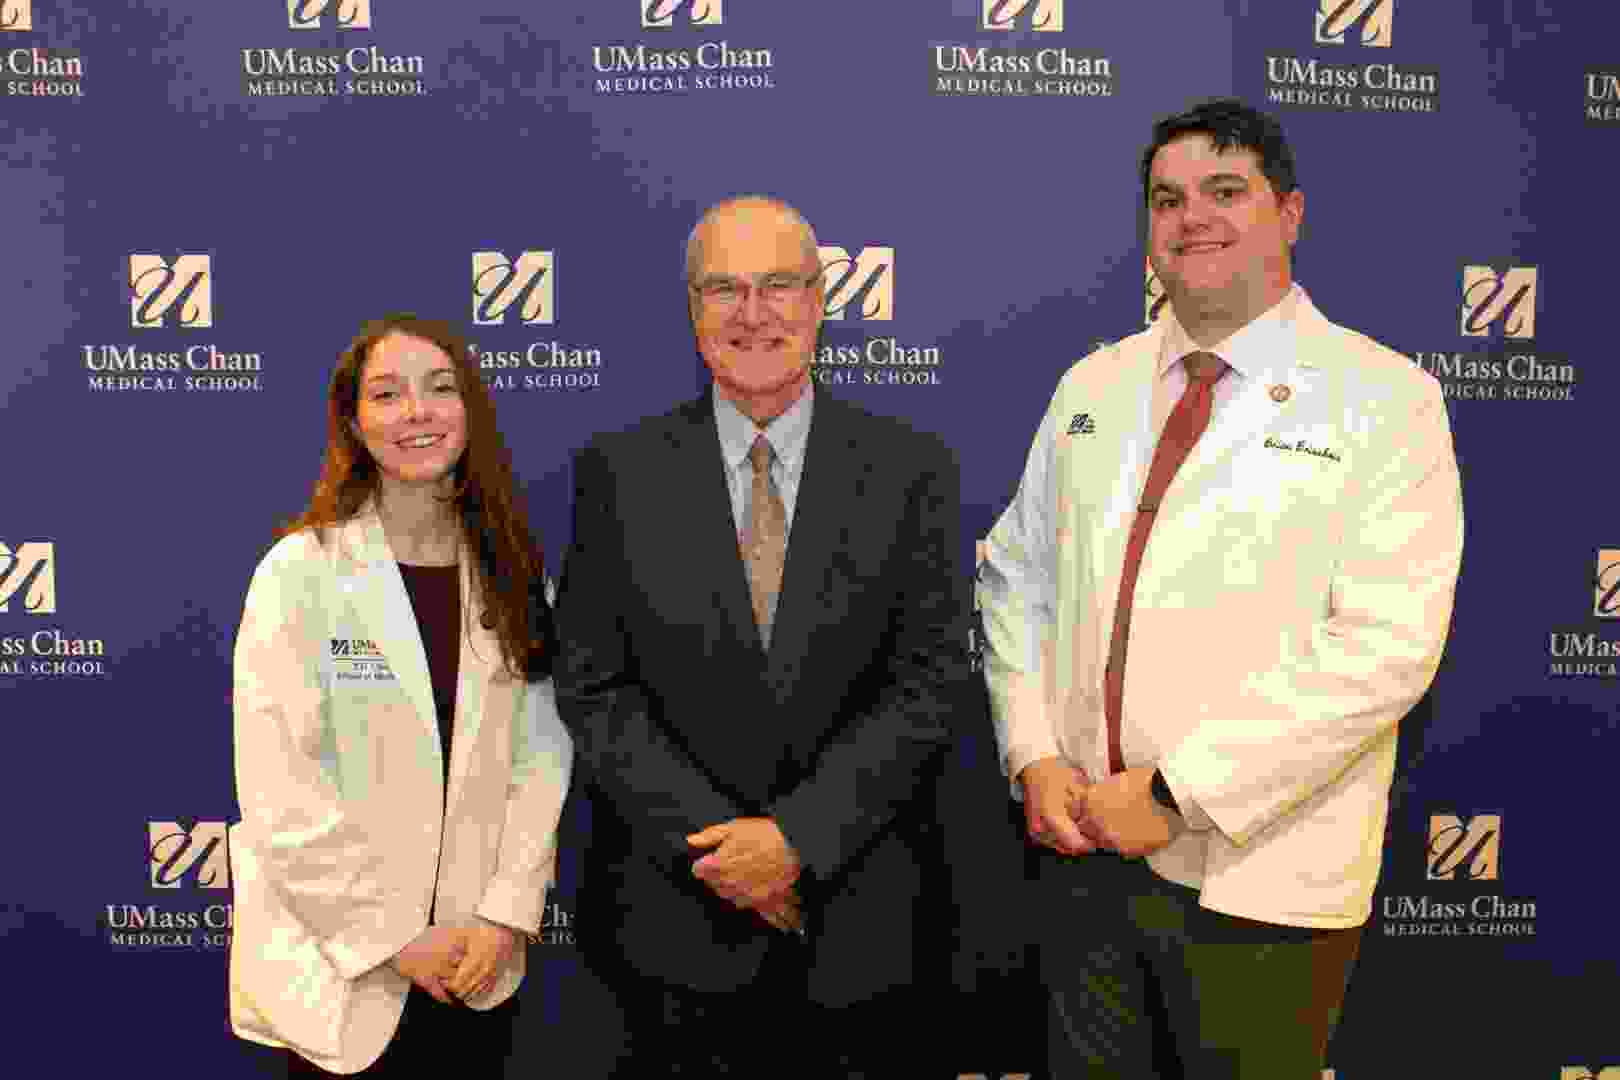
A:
{"points": [[680, 719]]}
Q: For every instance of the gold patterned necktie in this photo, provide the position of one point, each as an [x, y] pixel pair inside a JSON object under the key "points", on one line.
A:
{"points": [[1181, 432], [764, 540]]}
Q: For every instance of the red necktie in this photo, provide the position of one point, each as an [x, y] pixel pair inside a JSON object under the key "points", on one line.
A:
{"points": [[1187, 422]]}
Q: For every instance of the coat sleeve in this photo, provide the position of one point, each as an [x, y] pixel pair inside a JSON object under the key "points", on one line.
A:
{"points": [[321, 863], [1369, 658], [603, 701], [542, 759], [876, 766], [1017, 593]]}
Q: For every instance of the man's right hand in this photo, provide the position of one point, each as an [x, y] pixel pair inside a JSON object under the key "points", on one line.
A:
{"points": [[1051, 785], [431, 959]]}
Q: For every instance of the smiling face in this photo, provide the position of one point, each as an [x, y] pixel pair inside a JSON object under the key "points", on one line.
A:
{"points": [[758, 347], [1218, 234], [409, 415]]}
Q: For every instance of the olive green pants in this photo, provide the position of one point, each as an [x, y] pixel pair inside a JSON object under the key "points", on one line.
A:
{"points": [[1143, 984]]}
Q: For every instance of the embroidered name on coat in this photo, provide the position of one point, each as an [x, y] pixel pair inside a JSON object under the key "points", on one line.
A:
{"points": [[1300, 446]]}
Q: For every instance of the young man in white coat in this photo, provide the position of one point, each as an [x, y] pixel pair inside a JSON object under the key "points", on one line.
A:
{"points": [[1227, 574]]}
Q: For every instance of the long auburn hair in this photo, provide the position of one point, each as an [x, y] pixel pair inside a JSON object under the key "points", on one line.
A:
{"points": [[509, 577]]}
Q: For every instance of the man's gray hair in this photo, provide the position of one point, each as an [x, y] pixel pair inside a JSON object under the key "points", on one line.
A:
{"points": [[694, 247]]}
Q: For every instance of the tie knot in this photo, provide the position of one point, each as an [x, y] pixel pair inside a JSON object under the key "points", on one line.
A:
{"points": [[1203, 366], [759, 455]]}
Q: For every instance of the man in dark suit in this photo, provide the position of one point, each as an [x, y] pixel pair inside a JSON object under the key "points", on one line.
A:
{"points": [[763, 634]]}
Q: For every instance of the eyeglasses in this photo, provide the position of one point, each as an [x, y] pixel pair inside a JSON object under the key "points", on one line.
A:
{"points": [[776, 288]]}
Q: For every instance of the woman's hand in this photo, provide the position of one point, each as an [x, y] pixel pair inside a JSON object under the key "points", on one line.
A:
{"points": [[432, 958], [489, 949]]}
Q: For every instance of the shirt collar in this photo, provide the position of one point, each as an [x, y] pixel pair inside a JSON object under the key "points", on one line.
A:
{"points": [[787, 434], [1249, 349]]}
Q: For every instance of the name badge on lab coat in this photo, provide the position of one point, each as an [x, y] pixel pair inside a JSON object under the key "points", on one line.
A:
{"points": [[358, 660]]}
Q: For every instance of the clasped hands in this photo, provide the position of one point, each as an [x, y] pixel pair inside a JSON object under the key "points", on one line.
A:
{"points": [[1065, 811], [752, 865], [453, 963]]}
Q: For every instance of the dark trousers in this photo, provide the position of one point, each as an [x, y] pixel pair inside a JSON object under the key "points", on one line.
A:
{"points": [[1143, 984], [769, 1028], [449, 1039]]}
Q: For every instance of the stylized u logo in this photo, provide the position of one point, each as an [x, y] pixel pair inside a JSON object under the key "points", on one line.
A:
{"points": [[1022, 15], [499, 284], [178, 854], [1367, 21], [1506, 301], [1607, 604], [351, 14], [864, 284], [28, 574], [16, 15], [1465, 851], [660, 14], [157, 288]]}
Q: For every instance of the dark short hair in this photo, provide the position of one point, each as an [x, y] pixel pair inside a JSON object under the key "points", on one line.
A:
{"points": [[1229, 124]]}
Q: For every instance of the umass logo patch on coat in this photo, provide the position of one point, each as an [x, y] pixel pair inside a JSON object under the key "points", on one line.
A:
{"points": [[359, 660]]}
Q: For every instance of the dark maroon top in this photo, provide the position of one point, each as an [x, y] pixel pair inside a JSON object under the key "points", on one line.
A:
{"points": [[436, 600]]}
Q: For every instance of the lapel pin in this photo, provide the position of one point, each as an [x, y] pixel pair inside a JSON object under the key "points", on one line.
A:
{"points": [[1280, 393]]}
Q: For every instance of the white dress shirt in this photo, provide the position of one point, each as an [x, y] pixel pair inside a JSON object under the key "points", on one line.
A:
{"points": [[788, 434]]}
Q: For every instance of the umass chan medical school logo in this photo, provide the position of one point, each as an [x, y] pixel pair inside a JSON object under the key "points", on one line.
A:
{"points": [[1462, 863], [511, 292], [1592, 653], [170, 298], [342, 70], [1023, 61], [34, 70], [665, 62], [858, 287], [1497, 356], [1336, 80], [29, 649], [188, 875]]}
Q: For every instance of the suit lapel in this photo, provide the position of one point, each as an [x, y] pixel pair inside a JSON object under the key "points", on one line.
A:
{"points": [[710, 524], [379, 596], [833, 472]]}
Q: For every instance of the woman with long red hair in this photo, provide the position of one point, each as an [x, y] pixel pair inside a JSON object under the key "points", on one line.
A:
{"points": [[399, 760]]}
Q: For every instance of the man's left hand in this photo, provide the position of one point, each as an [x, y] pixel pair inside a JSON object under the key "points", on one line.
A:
{"points": [[1124, 811], [751, 864]]}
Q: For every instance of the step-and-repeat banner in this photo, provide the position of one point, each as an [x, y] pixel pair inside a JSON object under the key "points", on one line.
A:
{"points": [[203, 201]]}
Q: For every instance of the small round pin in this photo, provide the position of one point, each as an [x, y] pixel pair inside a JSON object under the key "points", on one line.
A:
{"points": [[1280, 393]]}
